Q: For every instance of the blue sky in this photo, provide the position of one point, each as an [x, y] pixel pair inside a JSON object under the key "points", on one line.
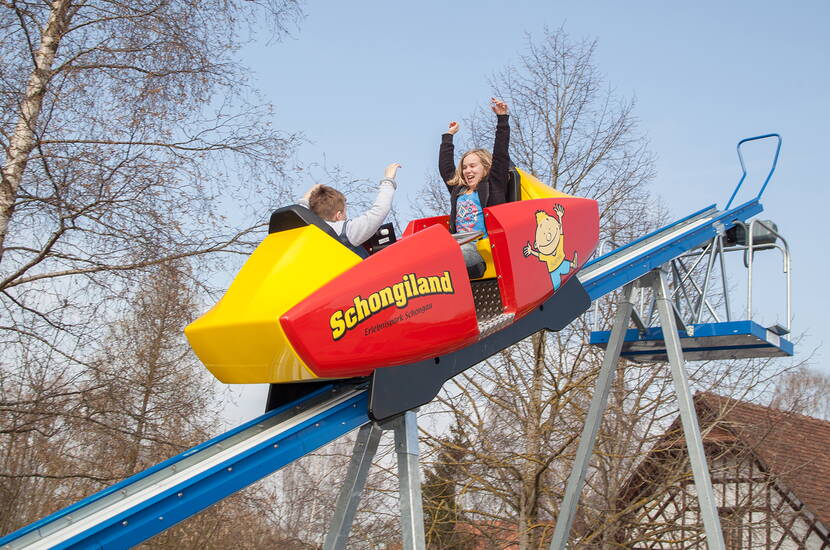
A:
{"points": [[372, 82]]}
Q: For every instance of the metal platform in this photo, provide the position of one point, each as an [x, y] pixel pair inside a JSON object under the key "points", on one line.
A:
{"points": [[705, 341]]}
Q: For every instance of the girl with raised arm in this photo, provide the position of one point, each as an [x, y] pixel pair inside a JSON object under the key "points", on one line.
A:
{"points": [[479, 180]]}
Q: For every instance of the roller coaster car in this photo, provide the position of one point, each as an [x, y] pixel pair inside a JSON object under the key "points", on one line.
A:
{"points": [[305, 307]]}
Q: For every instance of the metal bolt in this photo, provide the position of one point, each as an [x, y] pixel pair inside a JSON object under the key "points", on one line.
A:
{"points": [[230, 469], [161, 518], [124, 522], [180, 495]]}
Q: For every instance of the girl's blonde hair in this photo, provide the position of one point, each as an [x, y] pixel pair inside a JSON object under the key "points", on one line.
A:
{"points": [[486, 158]]}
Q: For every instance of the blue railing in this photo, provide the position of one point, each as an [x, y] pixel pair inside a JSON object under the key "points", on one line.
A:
{"points": [[743, 166]]}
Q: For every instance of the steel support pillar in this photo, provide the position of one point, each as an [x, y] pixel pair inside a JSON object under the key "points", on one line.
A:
{"points": [[405, 428], [365, 448], [592, 422], [409, 475], [691, 430], [688, 416]]}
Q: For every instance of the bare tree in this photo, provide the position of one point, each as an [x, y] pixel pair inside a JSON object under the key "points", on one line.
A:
{"points": [[803, 391], [155, 398], [570, 129], [145, 398], [239, 521], [304, 496], [522, 411], [127, 128], [105, 91]]}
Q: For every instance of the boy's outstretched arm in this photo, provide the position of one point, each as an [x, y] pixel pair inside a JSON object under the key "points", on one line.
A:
{"points": [[359, 229]]}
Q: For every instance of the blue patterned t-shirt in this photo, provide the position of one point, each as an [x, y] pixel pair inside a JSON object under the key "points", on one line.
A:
{"points": [[468, 214]]}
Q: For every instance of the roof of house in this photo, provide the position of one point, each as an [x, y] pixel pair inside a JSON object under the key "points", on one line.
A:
{"points": [[794, 448]]}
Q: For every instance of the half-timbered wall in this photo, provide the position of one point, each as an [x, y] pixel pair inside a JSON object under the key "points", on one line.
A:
{"points": [[755, 510]]}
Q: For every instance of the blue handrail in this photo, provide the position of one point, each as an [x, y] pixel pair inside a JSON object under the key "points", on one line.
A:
{"points": [[743, 167]]}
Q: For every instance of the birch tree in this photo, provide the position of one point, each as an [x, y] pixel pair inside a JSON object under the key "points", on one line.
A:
{"points": [[127, 128], [132, 141]]}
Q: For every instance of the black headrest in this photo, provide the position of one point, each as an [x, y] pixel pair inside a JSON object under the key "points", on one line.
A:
{"points": [[513, 184], [294, 216]]}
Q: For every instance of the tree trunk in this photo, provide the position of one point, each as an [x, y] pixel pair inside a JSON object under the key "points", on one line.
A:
{"points": [[529, 512], [23, 139]]}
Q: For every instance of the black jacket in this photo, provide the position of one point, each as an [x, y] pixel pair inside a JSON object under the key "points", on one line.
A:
{"points": [[493, 188]]}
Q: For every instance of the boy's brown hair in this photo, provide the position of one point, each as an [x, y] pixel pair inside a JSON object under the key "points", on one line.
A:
{"points": [[326, 202]]}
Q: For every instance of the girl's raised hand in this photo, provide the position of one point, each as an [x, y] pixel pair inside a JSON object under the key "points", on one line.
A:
{"points": [[499, 107], [453, 128], [391, 170]]}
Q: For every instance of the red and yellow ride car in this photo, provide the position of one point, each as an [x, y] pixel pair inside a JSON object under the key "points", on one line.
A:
{"points": [[305, 307]]}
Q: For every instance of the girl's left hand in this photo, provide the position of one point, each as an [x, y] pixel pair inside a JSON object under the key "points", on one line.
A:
{"points": [[499, 107]]}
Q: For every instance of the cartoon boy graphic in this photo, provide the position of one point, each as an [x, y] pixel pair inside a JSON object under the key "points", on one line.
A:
{"points": [[549, 246]]}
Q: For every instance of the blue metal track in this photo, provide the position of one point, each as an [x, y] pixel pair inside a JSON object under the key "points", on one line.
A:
{"points": [[145, 504], [630, 262], [141, 506]]}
